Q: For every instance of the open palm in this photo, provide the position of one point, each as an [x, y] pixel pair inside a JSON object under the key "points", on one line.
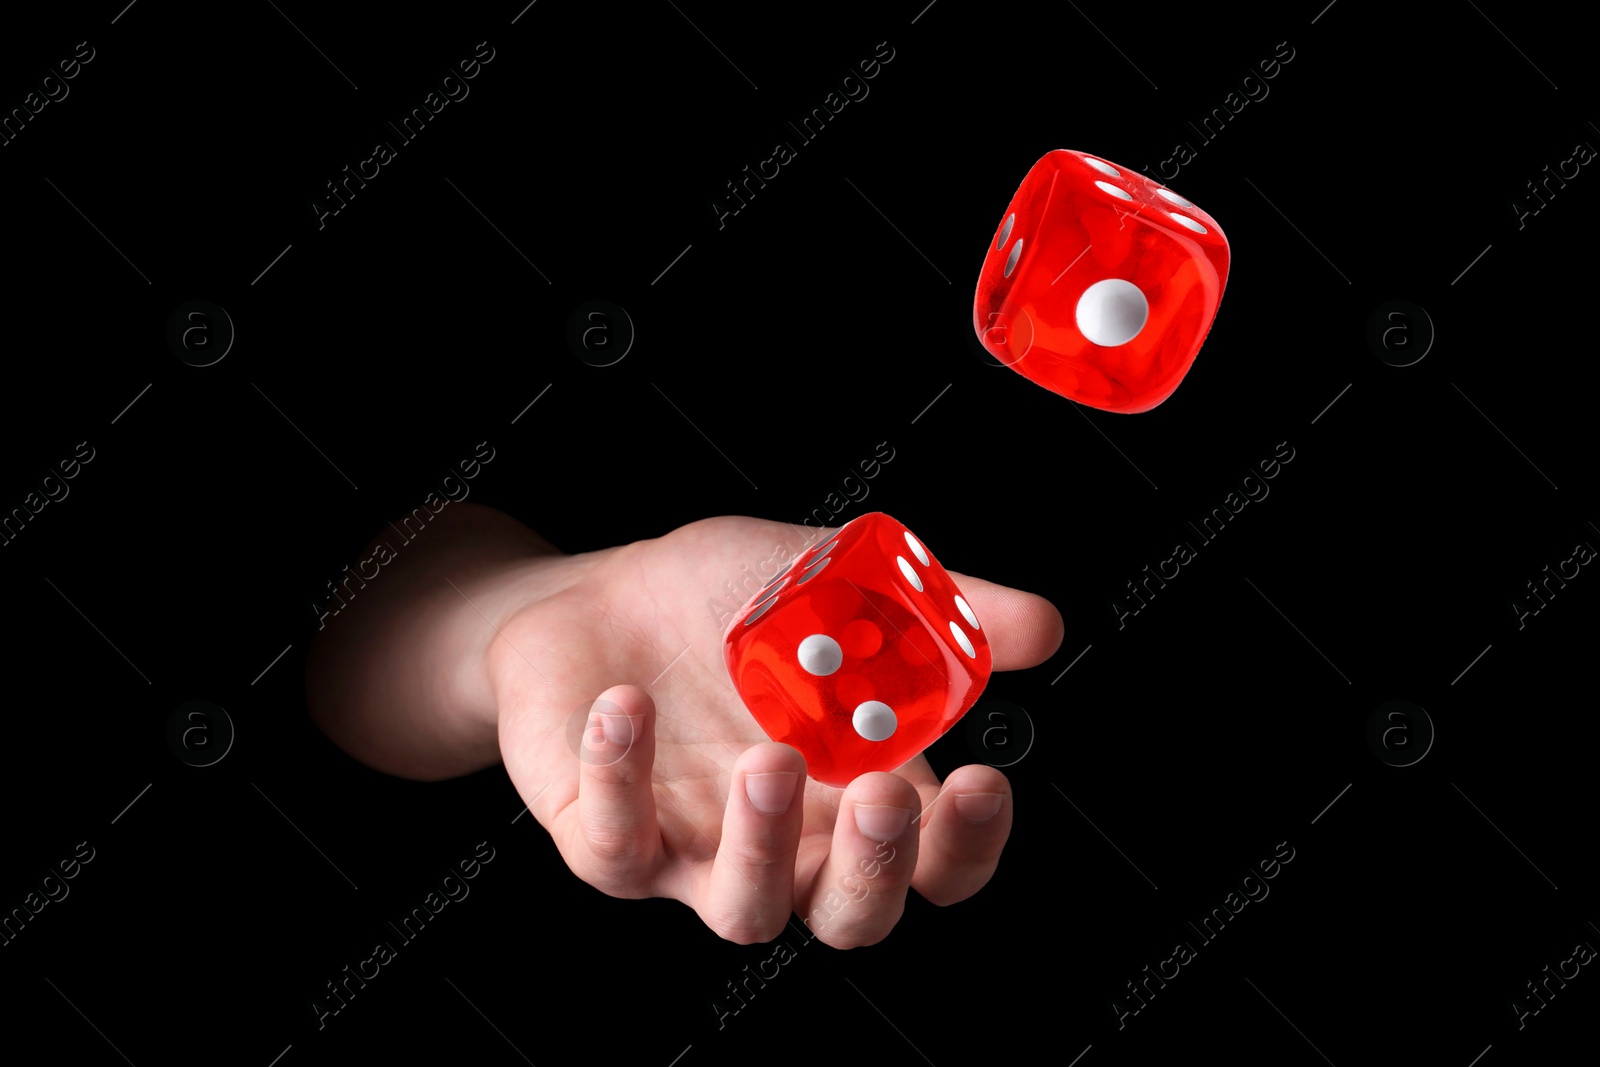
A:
{"points": [[666, 786]]}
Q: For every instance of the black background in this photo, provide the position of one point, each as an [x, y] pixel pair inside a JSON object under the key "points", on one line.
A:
{"points": [[825, 317]]}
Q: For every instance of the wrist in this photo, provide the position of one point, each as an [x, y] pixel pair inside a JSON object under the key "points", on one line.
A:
{"points": [[402, 681], [518, 663]]}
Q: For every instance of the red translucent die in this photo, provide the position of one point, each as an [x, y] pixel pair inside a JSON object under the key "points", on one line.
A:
{"points": [[861, 654], [1100, 284]]}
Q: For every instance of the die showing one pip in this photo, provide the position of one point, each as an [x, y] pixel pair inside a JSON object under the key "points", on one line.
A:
{"points": [[1099, 283], [861, 654]]}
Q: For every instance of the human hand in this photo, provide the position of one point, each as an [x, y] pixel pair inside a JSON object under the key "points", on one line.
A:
{"points": [[665, 786]]}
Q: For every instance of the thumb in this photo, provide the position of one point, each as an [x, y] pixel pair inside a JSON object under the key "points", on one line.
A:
{"points": [[1024, 629]]}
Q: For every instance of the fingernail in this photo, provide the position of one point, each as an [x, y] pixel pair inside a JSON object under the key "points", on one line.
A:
{"points": [[978, 807], [882, 822], [619, 729], [770, 793]]}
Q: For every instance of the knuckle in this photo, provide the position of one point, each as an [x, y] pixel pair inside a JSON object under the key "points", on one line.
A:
{"points": [[615, 848], [619, 775], [845, 940], [868, 930], [614, 881], [760, 855], [743, 928]]}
